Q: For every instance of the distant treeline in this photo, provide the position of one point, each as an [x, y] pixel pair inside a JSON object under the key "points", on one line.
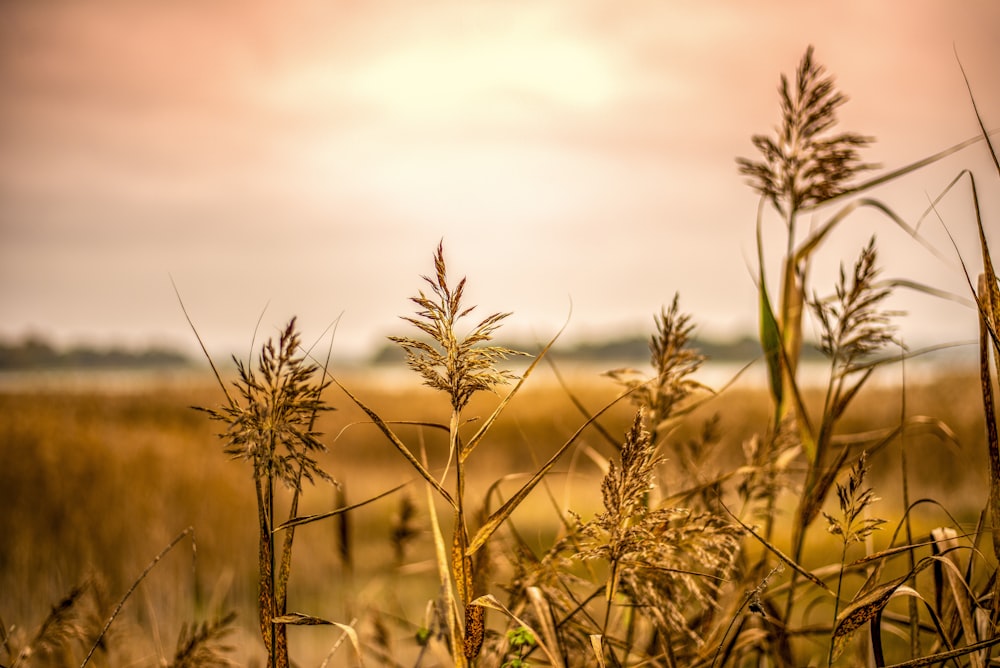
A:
{"points": [[34, 353], [634, 349]]}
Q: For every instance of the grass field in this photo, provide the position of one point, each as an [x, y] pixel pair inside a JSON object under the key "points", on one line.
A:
{"points": [[498, 509], [95, 483]]}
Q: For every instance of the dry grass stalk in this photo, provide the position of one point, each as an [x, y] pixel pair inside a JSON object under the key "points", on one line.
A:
{"points": [[99, 641], [626, 529], [802, 166], [854, 499], [988, 301], [854, 327], [459, 367], [674, 362], [664, 564], [270, 425]]}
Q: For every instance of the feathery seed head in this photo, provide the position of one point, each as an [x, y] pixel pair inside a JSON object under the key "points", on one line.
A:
{"points": [[802, 166], [674, 361], [460, 367], [854, 498], [272, 427], [853, 325]]}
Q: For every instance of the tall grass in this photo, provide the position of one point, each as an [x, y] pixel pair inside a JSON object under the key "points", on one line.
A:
{"points": [[459, 366], [803, 170], [658, 525], [271, 426]]}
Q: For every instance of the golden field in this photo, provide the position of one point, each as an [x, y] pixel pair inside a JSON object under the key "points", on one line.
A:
{"points": [[97, 480]]}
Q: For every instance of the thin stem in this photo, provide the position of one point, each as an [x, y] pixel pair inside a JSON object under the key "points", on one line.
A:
{"points": [[791, 316], [607, 611], [121, 603], [461, 531], [284, 572], [732, 622], [836, 601], [788, 370], [460, 541], [908, 522], [272, 630]]}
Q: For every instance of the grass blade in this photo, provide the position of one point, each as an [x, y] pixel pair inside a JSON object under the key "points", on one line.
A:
{"points": [[770, 332], [897, 173], [982, 127], [862, 610], [490, 601], [989, 322], [543, 612], [405, 451], [118, 608], [597, 644], [941, 657], [817, 237], [501, 514], [444, 574], [299, 619], [201, 344], [481, 432], [308, 519], [778, 553]]}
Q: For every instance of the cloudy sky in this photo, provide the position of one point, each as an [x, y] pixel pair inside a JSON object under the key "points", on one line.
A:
{"points": [[307, 157]]}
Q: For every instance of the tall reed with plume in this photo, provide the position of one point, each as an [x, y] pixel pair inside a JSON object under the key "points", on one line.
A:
{"points": [[270, 425], [459, 367], [806, 168]]}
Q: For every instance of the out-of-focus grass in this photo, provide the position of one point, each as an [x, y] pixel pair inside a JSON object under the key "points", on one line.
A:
{"points": [[98, 482]]}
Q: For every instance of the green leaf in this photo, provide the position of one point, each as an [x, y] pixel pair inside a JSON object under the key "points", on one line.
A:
{"points": [[491, 602], [770, 332]]}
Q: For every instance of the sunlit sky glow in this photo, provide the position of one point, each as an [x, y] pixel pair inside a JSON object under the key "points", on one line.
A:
{"points": [[308, 156]]}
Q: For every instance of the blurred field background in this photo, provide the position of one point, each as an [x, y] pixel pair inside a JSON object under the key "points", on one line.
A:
{"points": [[98, 477]]}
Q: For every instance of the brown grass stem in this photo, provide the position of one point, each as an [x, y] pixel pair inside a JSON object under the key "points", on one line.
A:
{"points": [[142, 576]]}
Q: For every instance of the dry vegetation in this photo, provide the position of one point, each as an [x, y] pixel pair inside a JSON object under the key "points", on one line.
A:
{"points": [[506, 515], [97, 482]]}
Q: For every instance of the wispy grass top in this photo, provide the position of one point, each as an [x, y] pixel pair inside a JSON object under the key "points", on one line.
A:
{"points": [[459, 366], [278, 408], [802, 165]]}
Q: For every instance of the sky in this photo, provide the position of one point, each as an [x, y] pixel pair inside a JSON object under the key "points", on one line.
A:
{"points": [[576, 158]]}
